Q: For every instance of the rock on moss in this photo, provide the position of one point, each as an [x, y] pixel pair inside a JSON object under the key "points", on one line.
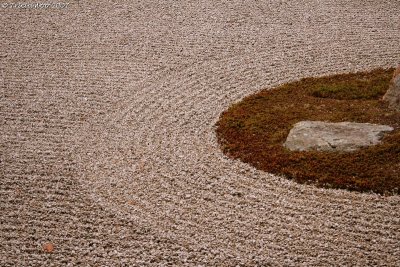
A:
{"points": [[393, 94], [342, 136]]}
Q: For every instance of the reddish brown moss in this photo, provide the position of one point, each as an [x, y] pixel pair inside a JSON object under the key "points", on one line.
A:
{"points": [[255, 129]]}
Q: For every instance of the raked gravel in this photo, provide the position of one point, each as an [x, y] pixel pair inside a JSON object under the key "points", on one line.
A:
{"points": [[108, 148]]}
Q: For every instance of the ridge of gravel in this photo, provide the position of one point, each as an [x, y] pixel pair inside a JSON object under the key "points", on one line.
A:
{"points": [[108, 148]]}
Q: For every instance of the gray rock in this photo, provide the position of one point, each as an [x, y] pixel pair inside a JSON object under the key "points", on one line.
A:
{"points": [[342, 136], [393, 93]]}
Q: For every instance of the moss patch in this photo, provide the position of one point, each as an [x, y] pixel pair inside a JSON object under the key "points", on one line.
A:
{"points": [[255, 129]]}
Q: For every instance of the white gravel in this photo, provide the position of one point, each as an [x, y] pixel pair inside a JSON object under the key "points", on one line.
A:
{"points": [[108, 148]]}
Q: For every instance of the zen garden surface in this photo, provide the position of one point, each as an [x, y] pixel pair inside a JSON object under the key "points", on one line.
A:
{"points": [[109, 155]]}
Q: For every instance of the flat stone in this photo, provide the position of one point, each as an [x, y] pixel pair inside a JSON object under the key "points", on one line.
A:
{"points": [[393, 93], [327, 136]]}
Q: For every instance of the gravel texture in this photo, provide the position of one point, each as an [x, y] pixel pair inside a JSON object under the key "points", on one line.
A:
{"points": [[108, 150]]}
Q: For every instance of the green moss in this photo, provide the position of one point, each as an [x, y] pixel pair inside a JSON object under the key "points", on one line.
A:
{"points": [[254, 130], [360, 87], [234, 123]]}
